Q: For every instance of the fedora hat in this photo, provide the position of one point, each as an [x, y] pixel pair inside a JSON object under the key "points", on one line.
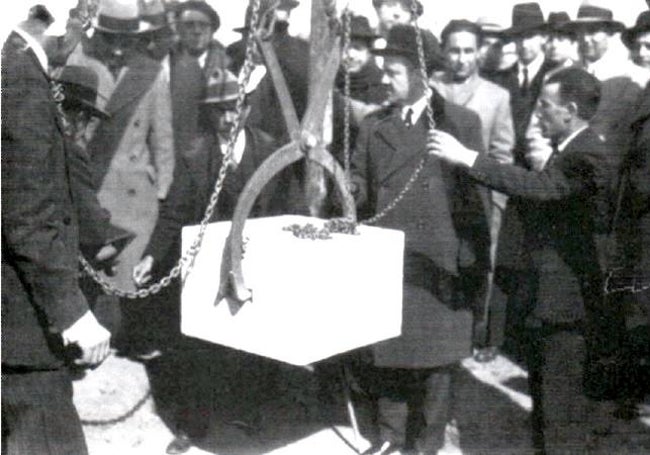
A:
{"points": [[526, 18], [201, 6], [222, 86], [595, 16], [120, 16], [408, 4], [360, 29], [642, 26], [402, 41], [265, 7], [80, 87], [154, 13]]}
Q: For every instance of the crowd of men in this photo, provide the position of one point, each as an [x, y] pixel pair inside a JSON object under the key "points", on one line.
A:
{"points": [[527, 182]]}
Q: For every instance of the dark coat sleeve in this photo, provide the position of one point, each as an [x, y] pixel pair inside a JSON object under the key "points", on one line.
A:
{"points": [[174, 212], [38, 228]]}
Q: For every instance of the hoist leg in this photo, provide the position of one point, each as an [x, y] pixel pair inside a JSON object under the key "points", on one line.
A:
{"points": [[232, 285]]}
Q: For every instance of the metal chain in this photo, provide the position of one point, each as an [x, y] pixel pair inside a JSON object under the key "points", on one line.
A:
{"points": [[347, 18], [123, 418], [188, 257]]}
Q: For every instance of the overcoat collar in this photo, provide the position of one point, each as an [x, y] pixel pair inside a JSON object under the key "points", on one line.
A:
{"points": [[138, 78], [406, 144]]}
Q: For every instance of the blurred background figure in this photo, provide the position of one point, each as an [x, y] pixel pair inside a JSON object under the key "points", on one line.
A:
{"points": [[492, 58], [561, 46], [637, 39], [132, 152]]}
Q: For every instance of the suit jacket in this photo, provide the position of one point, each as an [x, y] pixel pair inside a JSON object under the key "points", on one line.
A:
{"points": [[566, 205], [633, 227], [193, 185], [187, 82], [446, 235], [522, 105], [492, 103], [40, 294]]}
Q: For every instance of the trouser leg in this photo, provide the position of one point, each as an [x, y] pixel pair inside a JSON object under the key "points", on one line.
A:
{"points": [[38, 415]]}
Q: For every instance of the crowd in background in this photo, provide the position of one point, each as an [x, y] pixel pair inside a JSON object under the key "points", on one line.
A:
{"points": [[508, 257]]}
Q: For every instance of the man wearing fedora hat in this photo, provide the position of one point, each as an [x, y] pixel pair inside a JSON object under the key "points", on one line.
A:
{"points": [[523, 81], [412, 375], [561, 45], [194, 179], [293, 57], [637, 39], [46, 321], [132, 152], [367, 92]]}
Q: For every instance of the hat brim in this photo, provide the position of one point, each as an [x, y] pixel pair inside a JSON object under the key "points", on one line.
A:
{"points": [[93, 109], [143, 27], [524, 30], [629, 35], [584, 22], [394, 51], [218, 100]]}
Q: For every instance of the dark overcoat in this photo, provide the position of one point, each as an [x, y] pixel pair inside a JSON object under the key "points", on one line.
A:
{"points": [[567, 205], [446, 235], [40, 294], [193, 184]]}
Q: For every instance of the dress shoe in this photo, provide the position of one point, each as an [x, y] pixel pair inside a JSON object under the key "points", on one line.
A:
{"points": [[180, 444]]}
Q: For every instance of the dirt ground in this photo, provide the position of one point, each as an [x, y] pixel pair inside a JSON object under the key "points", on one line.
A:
{"points": [[253, 407]]}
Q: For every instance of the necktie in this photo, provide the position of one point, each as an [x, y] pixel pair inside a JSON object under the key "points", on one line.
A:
{"points": [[524, 85], [408, 118]]}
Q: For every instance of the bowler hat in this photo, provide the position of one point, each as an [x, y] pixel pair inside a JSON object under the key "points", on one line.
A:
{"points": [[642, 26], [592, 15], [201, 6], [80, 86], [265, 7], [360, 29], [408, 4], [153, 12], [120, 16], [222, 86], [526, 18], [402, 41]]}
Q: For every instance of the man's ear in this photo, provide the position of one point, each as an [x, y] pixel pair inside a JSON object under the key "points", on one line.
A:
{"points": [[572, 108]]}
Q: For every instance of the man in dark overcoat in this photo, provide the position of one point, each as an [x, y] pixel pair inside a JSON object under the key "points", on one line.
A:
{"points": [[43, 309], [446, 235], [569, 208]]}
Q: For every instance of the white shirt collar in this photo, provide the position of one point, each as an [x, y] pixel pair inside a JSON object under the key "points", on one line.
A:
{"points": [[418, 108], [202, 59], [533, 68], [41, 56], [240, 146], [572, 136]]}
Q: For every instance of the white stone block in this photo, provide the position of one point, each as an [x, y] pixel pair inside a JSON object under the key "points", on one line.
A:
{"points": [[312, 299]]}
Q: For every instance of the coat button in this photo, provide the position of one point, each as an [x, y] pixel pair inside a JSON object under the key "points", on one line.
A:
{"points": [[133, 158], [136, 123], [130, 192], [421, 225], [67, 220], [426, 185]]}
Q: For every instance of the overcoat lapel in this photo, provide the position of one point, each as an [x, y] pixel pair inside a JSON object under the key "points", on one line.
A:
{"points": [[139, 77]]}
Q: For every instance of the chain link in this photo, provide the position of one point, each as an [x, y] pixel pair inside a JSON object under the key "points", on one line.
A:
{"points": [[187, 259], [347, 19]]}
